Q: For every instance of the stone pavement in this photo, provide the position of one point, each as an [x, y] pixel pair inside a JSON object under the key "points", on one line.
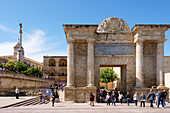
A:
{"points": [[68, 107]]}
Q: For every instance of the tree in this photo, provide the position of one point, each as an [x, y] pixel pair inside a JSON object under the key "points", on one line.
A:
{"points": [[2, 65], [21, 67], [34, 71], [107, 75], [10, 65]]}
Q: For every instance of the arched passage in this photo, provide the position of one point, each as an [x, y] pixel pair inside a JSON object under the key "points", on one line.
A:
{"points": [[63, 72], [52, 62], [52, 72], [63, 62]]}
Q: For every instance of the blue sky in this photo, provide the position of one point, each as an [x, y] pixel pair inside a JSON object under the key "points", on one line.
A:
{"points": [[42, 20]]}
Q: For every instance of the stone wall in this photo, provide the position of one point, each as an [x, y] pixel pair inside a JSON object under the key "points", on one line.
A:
{"points": [[10, 80]]}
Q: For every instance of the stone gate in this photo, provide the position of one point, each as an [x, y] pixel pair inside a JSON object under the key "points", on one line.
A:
{"points": [[139, 52]]}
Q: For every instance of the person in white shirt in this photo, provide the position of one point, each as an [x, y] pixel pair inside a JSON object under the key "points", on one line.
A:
{"points": [[17, 93], [135, 98]]}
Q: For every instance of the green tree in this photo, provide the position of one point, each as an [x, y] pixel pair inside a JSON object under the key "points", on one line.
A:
{"points": [[34, 71], [107, 75], [10, 65], [21, 67], [2, 65]]}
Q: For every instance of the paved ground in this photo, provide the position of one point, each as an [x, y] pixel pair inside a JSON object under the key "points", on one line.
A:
{"points": [[65, 107]]}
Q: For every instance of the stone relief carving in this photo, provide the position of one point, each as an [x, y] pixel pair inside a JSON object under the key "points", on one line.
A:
{"points": [[149, 48], [112, 25], [80, 48]]}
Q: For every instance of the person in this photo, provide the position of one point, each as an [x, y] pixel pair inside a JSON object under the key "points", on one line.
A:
{"points": [[91, 97], [56, 94], [52, 98], [157, 96], [108, 98], [116, 94], [113, 98], [121, 97], [17, 93], [142, 99], [135, 98], [128, 98], [151, 97], [160, 99], [42, 96], [164, 97]]}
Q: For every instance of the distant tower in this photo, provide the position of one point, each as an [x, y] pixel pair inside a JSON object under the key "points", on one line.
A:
{"points": [[20, 52]]}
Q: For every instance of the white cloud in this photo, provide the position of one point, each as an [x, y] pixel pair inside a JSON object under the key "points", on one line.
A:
{"points": [[34, 44], [2, 27]]}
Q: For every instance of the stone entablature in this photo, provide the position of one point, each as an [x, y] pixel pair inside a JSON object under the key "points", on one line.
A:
{"points": [[139, 52]]}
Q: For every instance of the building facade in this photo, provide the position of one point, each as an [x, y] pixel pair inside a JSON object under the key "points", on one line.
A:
{"points": [[55, 67], [139, 53]]}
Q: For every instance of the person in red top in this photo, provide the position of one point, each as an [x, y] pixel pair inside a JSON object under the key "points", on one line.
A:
{"points": [[91, 97]]}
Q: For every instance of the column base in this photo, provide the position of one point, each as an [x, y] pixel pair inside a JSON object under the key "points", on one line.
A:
{"points": [[161, 86], [91, 85], [69, 86]]}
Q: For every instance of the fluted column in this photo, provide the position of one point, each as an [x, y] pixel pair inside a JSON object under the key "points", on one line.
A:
{"points": [[90, 62], [139, 63], [70, 63], [160, 64]]}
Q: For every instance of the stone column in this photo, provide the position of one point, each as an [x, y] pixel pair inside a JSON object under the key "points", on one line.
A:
{"points": [[139, 64], [160, 64], [70, 63], [90, 62]]}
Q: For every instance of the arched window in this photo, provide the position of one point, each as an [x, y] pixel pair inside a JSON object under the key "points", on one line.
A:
{"points": [[63, 72], [52, 62], [63, 62], [52, 72]]}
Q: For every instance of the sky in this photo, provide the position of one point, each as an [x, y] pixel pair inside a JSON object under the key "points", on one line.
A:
{"points": [[42, 21]]}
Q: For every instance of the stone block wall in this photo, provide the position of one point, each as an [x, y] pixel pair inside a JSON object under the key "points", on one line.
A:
{"points": [[10, 80]]}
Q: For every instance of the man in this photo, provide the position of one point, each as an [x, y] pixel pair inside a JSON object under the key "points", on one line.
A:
{"points": [[160, 99], [128, 98], [164, 97], [151, 97], [17, 93]]}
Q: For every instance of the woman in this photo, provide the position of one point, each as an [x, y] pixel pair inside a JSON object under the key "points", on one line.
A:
{"points": [[91, 97], [142, 99], [113, 99], [121, 98], [108, 98], [52, 98], [135, 98]]}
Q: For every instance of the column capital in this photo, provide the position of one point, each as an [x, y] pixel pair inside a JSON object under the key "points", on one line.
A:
{"points": [[70, 40], [138, 40], [161, 40], [91, 40]]}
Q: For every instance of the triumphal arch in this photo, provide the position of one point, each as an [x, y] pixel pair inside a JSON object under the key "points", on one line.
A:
{"points": [[139, 52]]}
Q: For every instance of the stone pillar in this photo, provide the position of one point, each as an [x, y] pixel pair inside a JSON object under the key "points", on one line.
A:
{"points": [[160, 64], [70, 63], [90, 62], [139, 64]]}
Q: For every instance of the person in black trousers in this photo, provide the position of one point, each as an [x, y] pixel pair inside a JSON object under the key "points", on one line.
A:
{"points": [[142, 99], [53, 98], [160, 99], [151, 97]]}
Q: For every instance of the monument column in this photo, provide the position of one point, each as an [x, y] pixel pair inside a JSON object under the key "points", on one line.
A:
{"points": [[90, 62], [70, 63], [139, 63], [160, 63]]}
